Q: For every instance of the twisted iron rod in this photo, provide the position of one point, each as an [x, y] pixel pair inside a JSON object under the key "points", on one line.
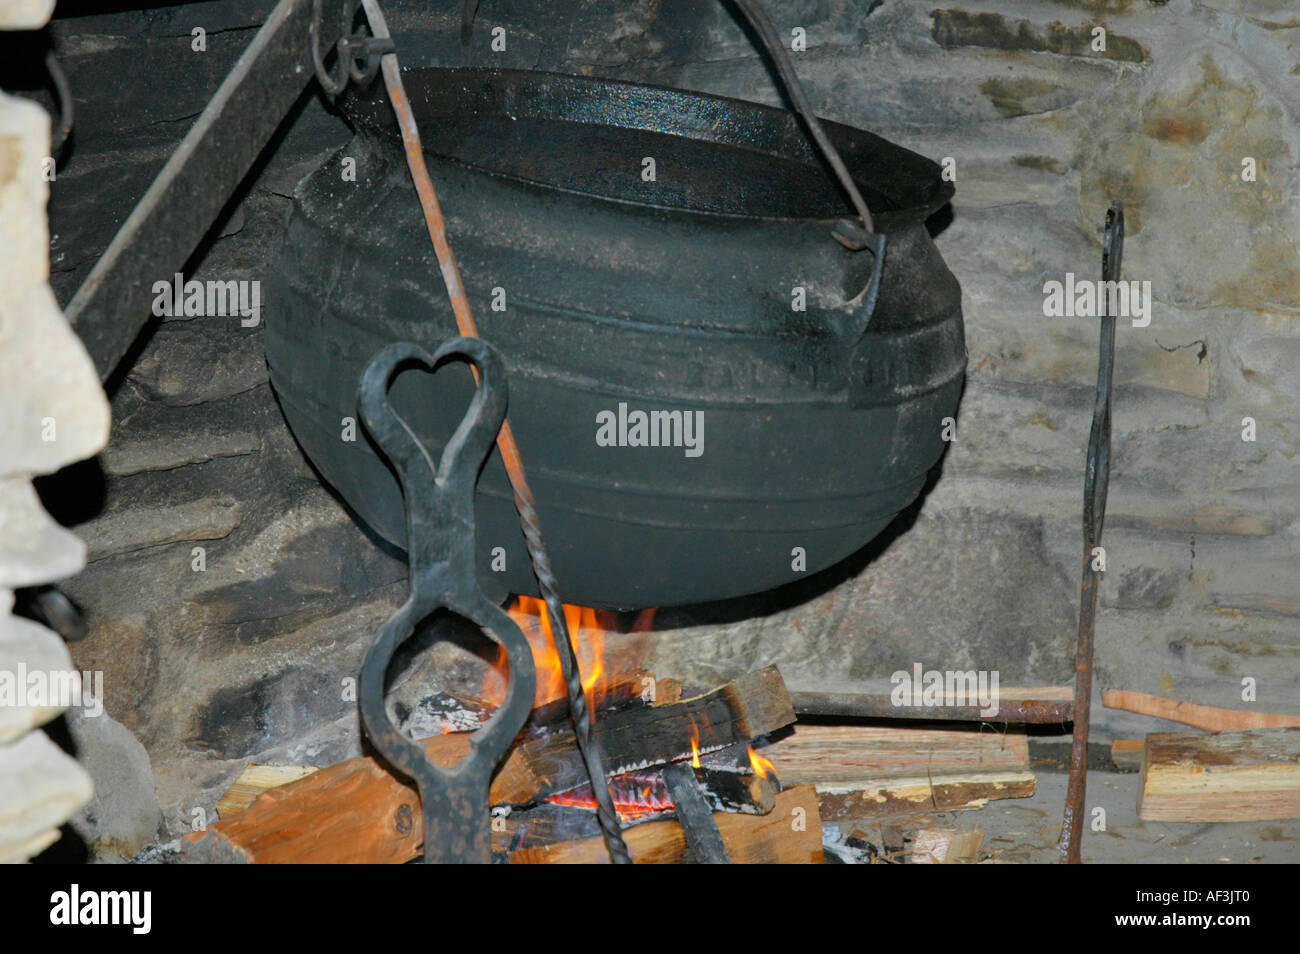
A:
{"points": [[437, 226]]}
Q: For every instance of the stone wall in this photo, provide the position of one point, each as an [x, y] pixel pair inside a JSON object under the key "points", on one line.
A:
{"points": [[239, 650]]}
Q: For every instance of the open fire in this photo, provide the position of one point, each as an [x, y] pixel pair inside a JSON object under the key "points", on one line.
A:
{"points": [[590, 631]]}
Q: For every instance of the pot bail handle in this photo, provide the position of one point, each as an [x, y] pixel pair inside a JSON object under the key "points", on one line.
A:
{"points": [[852, 235]]}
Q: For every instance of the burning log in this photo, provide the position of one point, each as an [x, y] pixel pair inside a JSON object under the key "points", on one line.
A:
{"points": [[753, 705], [791, 834], [693, 814]]}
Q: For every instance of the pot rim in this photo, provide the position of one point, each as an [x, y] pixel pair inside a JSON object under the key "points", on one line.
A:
{"points": [[910, 182]]}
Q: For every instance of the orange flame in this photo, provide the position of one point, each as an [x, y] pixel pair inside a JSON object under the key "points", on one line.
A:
{"points": [[695, 746], [762, 767], [587, 630]]}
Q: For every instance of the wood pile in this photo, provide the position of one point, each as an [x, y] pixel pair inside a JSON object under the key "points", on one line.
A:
{"points": [[769, 784]]}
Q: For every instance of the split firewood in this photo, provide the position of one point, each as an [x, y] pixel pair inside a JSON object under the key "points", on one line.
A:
{"points": [[356, 811], [253, 781], [946, 846], [871, 771], [1253, 775], [791, 834], [1212, 718], [1127, 754]]}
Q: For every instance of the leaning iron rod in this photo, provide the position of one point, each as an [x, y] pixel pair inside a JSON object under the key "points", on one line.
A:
{"points": [[1095, 484]]}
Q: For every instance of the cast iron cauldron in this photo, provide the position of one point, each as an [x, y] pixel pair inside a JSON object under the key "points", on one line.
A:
{"points": [[819, 425]]}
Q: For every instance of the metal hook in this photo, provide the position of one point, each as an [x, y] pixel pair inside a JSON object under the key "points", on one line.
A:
{"points": [[358, 53]]}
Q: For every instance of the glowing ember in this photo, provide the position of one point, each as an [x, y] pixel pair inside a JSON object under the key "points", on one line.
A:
{"points": [[635, 794]]}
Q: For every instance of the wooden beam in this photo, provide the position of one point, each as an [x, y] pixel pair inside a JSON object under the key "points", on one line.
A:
{"points": [[791, 834], [1212, 718], [1252, 775], [872, 771]]}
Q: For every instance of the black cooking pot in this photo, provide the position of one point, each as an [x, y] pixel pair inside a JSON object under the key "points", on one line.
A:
{"points": [[609, 293]]}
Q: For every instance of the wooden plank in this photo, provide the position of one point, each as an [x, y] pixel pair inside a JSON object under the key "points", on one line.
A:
{"points": [[791, 834], [1252, 775], [356, 811], [906, 796], [1212, 718], [870, 771], [834, 754], [253, 781]]}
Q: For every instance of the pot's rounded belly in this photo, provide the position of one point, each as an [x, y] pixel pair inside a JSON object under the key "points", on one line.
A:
{"points": [[687, 436]]}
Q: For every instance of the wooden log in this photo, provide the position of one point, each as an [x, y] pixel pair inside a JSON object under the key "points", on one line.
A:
{"points": [[356, 811], [1252, 775], [1211, 718], [624, 689], [873, 771], [791, 834]]}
